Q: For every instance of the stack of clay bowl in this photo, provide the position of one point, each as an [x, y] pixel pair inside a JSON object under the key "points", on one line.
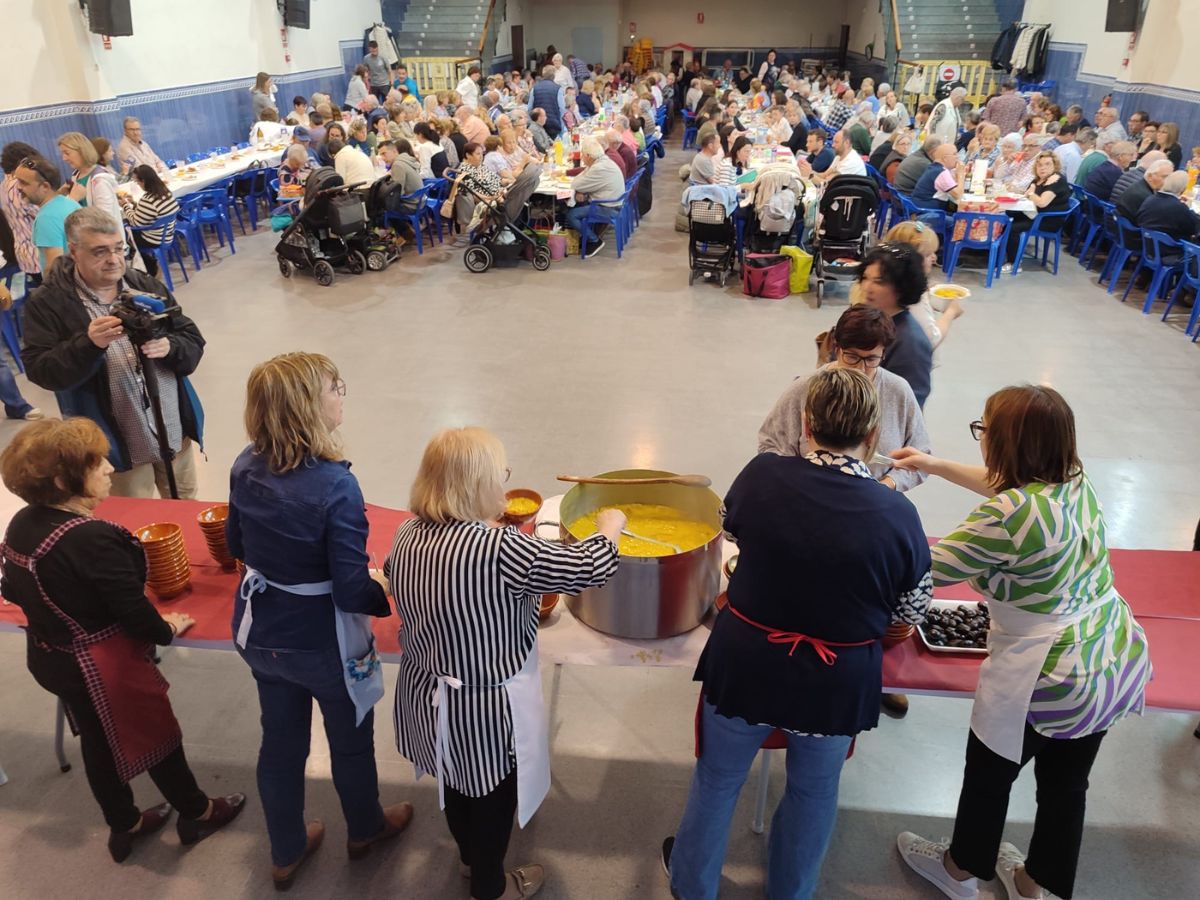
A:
{"points": [[168, 571], [212, 523]]}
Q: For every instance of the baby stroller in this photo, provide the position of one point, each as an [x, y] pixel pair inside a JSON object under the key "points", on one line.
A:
{"points": [[379, 244], [844, 229], [500, 235], [777, 204], [712, 240], [332, 216]]}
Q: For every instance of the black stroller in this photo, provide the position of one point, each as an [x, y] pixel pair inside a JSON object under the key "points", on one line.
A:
{"points": [[501, 236], [712, 240], [329, 231], [379, 244], [844, 229]]}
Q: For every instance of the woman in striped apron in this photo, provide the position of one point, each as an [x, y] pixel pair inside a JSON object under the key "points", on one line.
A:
{"points": [[1066, 660], [468, 695]]}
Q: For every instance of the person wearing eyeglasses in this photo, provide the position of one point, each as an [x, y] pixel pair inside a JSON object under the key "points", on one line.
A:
{"points": [[468, 694], [304, 607], [77, 348], [1066, 659], [893, 280]]}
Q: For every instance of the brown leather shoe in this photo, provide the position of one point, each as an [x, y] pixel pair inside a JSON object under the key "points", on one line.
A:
{"points": [[224, 810], [395, 819], [522, 882], [120, 844], [897, 704], [283, 876]]}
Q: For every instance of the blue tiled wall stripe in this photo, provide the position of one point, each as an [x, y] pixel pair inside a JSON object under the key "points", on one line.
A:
{"points": [[1163, 103], [175, 121]]}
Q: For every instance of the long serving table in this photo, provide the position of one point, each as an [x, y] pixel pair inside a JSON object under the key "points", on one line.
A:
{"points": [[211, 171], [1160, 586]]}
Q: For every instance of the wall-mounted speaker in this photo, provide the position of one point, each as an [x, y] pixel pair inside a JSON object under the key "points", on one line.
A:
{"points": [[296, 14], [110, 17], [1122, 15]]}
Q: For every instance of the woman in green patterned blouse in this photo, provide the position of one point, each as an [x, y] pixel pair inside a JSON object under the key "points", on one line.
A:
{"points": [[1065, 661]]}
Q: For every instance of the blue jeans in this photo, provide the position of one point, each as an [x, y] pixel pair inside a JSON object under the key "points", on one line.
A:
{"points": [[575, 214], [15, 406], [800, 828], [288, 682]]}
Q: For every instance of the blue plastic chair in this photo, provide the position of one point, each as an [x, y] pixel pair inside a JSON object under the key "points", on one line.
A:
{"points": [[196, 157], [212, 211], [1096, 212], [232, 207], [217, 150], [629, 217], [417, 218], [1154, 245], [439, 191], [1079, 224], [1189, 277], [589, 220], [935, 217], [1127, 245], [689, 129], [166, 249], [993, 245], [654, 148], [884, 220], [1041, 234], [249, 188]]}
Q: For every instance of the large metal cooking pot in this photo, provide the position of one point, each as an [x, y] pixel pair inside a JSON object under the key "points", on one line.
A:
{"points": [[649, 597]]}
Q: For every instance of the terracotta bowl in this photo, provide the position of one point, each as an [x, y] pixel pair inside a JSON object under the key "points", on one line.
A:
{"points": [[523, 494], [214, 516], [897, 633], [159, 531], [549, 601]]}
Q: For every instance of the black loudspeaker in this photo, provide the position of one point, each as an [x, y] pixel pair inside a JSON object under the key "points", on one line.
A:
{"points": [[1122, 15], [295, 13], [110, 17]]}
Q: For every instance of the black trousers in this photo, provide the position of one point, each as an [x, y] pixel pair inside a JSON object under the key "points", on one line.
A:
{"points": [[147, 250], [481, 827], [1061, 767], [59, 674]]}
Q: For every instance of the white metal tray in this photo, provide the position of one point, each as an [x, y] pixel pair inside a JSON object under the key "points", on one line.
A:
{"points": [[935, 648]]}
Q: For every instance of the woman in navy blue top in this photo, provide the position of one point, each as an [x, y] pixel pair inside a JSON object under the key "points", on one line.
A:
{"points": [[828, 558], [298, 521], [893, 280]]}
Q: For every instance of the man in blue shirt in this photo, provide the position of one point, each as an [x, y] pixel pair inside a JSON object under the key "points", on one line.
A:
{"points": [[39, 180], [941, 185], [401, 79], [820, 157], [1166, 211]]}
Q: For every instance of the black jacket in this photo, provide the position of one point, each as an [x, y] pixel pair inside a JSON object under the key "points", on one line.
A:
{"points": [[59, 356], [1165, 213]]}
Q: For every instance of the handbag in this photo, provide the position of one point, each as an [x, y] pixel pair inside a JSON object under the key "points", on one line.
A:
{"points": [[766, 275], [447, 209], [800, 269]]}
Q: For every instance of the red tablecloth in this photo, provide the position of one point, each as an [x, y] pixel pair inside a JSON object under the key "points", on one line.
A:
{"points": [[1161, 587]]}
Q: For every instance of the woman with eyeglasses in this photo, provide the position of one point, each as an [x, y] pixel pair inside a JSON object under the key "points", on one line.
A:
{"points": [[893, 281], [468, 693], [303, 611], [860, 340], [1066, 660]]}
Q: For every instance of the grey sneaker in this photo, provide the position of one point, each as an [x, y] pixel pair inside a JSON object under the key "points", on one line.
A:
{"points": [[925, 858]]}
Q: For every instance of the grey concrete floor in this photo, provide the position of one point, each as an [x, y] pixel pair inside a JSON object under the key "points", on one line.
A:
{"points": [[603, 364]]}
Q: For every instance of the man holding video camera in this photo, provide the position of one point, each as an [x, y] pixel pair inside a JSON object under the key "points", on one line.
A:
{"points": [[111, 355]]}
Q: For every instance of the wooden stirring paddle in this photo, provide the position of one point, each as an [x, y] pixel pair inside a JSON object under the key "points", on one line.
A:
{"points": [[685, 480]]}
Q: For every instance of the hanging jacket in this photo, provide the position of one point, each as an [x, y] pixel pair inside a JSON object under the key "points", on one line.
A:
{"points": [[382, 35], [1002, 50]]}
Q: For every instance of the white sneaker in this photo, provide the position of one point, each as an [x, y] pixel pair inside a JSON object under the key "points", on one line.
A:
{"points": [[1006, 269], [1007, 861], [925, 858]]}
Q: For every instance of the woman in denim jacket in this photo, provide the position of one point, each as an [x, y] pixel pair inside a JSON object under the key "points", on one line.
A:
{"points": [[301, 617]]}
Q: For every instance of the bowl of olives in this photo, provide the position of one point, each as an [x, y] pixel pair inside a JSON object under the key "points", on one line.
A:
{"points": [[956, 626]]}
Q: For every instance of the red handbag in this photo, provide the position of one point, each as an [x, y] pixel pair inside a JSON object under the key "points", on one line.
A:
{"points": [[766, 275]]}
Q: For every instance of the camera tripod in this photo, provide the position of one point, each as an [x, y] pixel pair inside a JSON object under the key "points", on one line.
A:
{"points": [[150, 376]]}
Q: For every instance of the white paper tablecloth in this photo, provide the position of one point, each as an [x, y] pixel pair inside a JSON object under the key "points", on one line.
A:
{"points": [[564, 639], [206, 176]]}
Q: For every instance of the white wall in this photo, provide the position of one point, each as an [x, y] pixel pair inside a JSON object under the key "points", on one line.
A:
{"points": [[755, 23], [1166, 48], [551, 21], [173, 44]]}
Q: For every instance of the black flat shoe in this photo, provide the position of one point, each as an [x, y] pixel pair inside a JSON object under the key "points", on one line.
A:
{"points": [[120, 844], [224, 811]]}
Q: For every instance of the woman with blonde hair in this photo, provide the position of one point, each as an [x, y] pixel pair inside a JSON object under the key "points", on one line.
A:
{"points": [[935, 315], [303, 609], [1168, 143], [91, 184], [798, 645], [81, 583], [262, 95], [468, 694]]}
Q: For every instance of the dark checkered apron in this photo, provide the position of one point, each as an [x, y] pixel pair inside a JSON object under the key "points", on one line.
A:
{"points": [[127, 690]]}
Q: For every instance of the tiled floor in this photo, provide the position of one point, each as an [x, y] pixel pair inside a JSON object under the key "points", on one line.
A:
{"points": [[603, 364]]}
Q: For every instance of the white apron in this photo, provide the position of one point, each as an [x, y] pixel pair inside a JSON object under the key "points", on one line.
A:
{"points": [[1018, 643], [531, 735], [362, 670]]}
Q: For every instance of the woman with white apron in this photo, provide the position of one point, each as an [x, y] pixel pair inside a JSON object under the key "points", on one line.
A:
{"points": [[1066, 660], [303, 612], [468, 694]]}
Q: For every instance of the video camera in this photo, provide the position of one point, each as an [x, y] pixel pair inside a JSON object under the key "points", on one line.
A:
{"points": [[144, 318]]}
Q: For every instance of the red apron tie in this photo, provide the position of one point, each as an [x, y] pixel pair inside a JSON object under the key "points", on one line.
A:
{"points": [[795, 638]]}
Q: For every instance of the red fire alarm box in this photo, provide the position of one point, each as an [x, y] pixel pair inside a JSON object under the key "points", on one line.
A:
{"points": [[632, 27], [700, 18]]}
